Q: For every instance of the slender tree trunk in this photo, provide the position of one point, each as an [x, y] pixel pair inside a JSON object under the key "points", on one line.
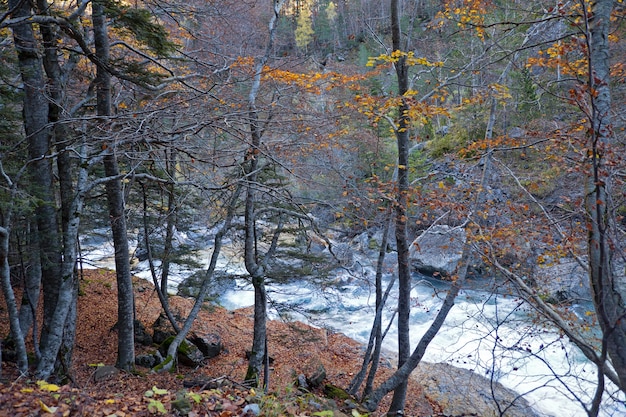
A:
{"points": [[609, 287], [32, 283], [9, 297], [254, 268], [372, 352], [155, 280], [258, 354], [401, 205], [115, 198], [170, 360], [402, 374], [171, 222]]}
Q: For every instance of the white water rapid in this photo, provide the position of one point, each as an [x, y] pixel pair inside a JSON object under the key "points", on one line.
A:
{"points": [[496, 336]]}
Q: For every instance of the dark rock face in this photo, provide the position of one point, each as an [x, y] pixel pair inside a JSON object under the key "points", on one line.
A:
{"points": [[149, 361], [461, 392], [317, 376], [162, 329], [209, 344], [141, 335]]}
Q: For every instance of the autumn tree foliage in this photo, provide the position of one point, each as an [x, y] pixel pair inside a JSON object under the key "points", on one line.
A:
{"points": [[386, 116]]}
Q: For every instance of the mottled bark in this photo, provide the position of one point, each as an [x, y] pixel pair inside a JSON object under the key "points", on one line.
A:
{"points": [[35, 112], [71, 199], [32, 283], [115, 199], [204, 288], [171, 222], [608, 284], [37, 129], [9, 298]]}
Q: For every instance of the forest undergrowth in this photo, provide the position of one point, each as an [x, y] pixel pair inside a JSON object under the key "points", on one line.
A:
{"points": [[295, 348]]}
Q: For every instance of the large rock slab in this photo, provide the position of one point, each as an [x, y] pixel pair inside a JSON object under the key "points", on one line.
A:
{"points": [[563, 281], [461, 392], [438, 250]]}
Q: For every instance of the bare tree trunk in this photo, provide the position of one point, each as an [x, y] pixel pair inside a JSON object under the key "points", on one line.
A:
{"points": [[171, 222], [158, 286], [609, 287], [402, 374], [9, 297], [401, 205], [372, 352], [115, 198], [258, 354], [32, 284], [170, 360], [36, 118], [71, 195]]}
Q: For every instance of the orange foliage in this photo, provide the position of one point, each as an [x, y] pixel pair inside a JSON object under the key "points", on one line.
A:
{"points": [[466, 13]]}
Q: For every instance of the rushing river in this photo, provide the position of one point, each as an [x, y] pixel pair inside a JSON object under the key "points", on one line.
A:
{"points": [[497, 336]]}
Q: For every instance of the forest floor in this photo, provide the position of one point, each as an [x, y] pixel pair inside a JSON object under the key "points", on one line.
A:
{"points": [[295, 347]]}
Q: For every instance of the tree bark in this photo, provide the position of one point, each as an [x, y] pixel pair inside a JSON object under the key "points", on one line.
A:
{"points": [[171, 222], [71, 199], [258, 354], [609, 286], [9, 297], [401, 205], [170, 360], [35, 114], [115, 199], [402, 374], [372, 352], [32, 284]]}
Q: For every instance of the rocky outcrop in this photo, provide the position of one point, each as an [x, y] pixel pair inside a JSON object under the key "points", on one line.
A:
{"points": [[461, 392], [563, 281], [438, 250]]}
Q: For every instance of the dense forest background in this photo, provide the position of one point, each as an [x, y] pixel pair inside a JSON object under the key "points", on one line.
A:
{"points": [[285, 125]]}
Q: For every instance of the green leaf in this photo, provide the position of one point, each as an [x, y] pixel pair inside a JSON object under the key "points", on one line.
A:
{"points": [[159, 391], [325, 413], [156, 406], [96, 365], [197, 398]]}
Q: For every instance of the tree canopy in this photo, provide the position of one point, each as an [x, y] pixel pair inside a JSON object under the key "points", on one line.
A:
{"points": [[278, 126]]}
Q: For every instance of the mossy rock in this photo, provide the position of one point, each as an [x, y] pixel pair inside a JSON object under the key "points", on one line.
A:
{"points": [[336, 393], [188, 353]]}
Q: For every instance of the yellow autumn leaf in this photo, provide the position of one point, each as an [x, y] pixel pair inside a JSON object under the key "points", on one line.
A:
{"points": [[109, 401], [48, 387], [159, 391], [47, 409], [26, 390]]}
